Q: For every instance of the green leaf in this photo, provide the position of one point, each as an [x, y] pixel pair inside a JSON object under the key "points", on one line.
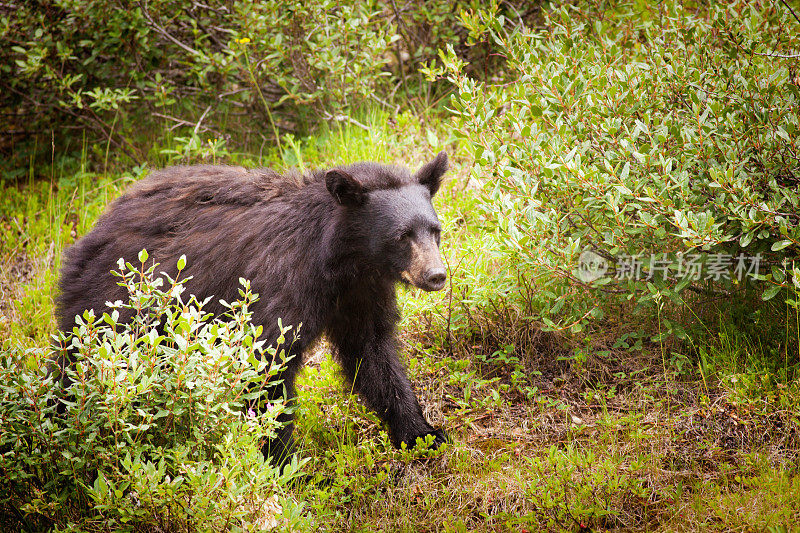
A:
{"points": [[746, 239], [771, 291], [625, 171], [778, 274], [780, 245]]}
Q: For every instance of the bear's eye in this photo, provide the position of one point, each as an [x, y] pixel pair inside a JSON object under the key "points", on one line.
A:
{"points": [[437, 234], [407, 234]]}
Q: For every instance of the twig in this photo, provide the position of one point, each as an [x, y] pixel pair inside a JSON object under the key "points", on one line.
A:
{"points": [[345, 118], [197, 126], [164, 32], [384, 102], [791, 11], [220, 96], [220, 10], [401, 25], [204, 30], [740, 47], [178, 121], [223, 30], [781, 56]]}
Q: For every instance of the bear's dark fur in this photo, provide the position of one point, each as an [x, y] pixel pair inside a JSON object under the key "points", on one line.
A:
{"points": [[323, 249]]}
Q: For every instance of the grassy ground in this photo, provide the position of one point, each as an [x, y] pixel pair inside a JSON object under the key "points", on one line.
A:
{"points": [[604, 431]]}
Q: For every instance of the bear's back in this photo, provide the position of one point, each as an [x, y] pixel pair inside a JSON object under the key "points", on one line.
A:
{"points": [[200, 184]]}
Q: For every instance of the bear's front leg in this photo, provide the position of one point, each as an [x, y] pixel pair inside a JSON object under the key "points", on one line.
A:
{"points": [[280, 448], [367, 350]]}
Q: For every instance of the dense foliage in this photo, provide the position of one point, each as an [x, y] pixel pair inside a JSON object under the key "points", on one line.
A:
{"points": [[640, 151], [216, 70], [151, 427]]}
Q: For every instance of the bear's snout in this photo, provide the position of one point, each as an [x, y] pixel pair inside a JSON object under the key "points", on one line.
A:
{"points": [[435, 278], [426, 269]]}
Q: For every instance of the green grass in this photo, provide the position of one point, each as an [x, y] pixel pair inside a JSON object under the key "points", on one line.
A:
{"points": [[38, 219], [549, 432]]}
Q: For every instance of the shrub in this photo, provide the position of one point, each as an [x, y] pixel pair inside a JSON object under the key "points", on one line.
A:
{"points": [[214, 70], [161, 423], [637, 151], [94, 64]]}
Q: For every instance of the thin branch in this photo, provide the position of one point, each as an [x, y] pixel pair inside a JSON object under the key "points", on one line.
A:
{"points": [[740, 47], [223, 30], [221, 96], [791, 11], [404, 32], [211, 35], [180, 122], [197, 126], [385, 103], [782, 56], [219, 11], [164, 32], [345, 118]]}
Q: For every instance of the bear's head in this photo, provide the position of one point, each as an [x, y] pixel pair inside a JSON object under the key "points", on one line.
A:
{"points": [[389, 211]]}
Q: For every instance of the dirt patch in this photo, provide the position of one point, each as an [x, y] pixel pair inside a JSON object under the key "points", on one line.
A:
{"points": [[15, 271]]}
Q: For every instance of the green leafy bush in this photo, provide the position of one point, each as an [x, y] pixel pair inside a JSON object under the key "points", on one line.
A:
{"points": [[638, 151], [213, 71], [96, 63], [157, 426]]}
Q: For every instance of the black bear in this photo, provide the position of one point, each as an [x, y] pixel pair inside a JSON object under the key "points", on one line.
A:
{"points": [[324, 249]]}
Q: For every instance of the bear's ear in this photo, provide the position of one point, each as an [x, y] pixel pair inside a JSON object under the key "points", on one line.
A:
{"points": [[344, 187], [430, 175]]}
